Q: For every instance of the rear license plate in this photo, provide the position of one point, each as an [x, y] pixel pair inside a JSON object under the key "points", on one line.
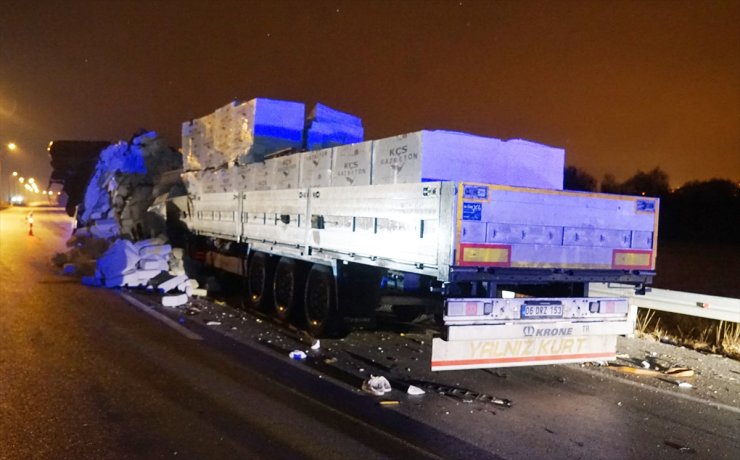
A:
{"points": [[542, 311]]}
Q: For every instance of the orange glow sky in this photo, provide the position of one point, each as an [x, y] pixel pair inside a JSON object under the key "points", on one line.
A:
{"points": [[621, 85]]}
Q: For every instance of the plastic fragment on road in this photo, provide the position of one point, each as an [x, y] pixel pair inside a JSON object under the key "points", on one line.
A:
{"points": [[415, 391], [298, 355], [376, 385], [684, 385], [316, 344], [389, 402], [174, 300], [213, 323], [199, 292]]}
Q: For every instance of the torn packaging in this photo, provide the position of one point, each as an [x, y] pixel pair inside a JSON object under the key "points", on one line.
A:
{"points": [[119, 259]]}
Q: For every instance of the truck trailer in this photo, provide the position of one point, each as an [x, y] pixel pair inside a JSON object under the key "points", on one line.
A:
{"points": [[504, 268]]}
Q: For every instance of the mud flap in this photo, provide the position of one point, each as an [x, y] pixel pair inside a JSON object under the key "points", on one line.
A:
{"points": [[478, 354]]}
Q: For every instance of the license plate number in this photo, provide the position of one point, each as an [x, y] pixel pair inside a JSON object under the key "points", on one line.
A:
{"points": [[542, 311]]}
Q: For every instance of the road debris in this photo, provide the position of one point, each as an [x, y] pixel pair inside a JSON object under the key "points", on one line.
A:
{"points": [[298, 355], [376, 385], [680, 447], [389, 402], [415, 391], [671, 372], [213, 323], [461, 393]]}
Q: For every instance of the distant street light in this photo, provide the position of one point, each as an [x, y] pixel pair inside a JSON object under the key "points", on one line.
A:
{"points": [[10, 146]]}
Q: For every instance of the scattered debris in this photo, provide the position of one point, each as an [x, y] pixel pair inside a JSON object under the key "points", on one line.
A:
{"points": [[174, 300], [671, 372], [415, 391], [462, 393], [389, 402], [377, 386], [213, 323], [679, 447], [298, 355], [316, 344], [684, 384]]}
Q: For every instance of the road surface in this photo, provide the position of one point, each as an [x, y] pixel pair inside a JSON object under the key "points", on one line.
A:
{"points": [[84, 373]]}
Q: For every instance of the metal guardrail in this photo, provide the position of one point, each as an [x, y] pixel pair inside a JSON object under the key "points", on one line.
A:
{"points": [[683, 303]]}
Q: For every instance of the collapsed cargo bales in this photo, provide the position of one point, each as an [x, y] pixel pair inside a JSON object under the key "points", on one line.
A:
{"points": [[242, 133], [328, 127], [452, 156]]}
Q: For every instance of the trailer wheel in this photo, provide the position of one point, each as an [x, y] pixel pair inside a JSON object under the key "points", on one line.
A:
{"points": [[257, 280], [320, 300], [287, 282]]}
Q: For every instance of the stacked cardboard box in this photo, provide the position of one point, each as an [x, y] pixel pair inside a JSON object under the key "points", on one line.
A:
{"points": [[352, 164], [451, 156], [284, 172], [316, 168]]}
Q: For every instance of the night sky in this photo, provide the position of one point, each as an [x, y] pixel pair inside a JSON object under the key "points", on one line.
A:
{"points": [[620, 85]]}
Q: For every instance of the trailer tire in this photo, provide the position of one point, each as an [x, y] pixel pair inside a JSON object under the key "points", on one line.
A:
{"points": [[319, 306], [258, 280], [288, 283]]}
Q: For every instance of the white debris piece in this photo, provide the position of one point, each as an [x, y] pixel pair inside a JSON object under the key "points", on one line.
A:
{"points": [[174, 300], [316, 344], [146, 275], [105, 228], [415, 391], [157, 241], [154, 264], [155, 251], [199, 292], [172, 283], [298, 355], [376, 385]]}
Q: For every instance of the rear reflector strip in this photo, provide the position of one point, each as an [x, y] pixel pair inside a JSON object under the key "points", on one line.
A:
{"points": [[627, 259], [493, 255]]}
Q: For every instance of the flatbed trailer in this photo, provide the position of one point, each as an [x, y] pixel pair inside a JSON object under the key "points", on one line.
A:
{"points": [[506, 269]]}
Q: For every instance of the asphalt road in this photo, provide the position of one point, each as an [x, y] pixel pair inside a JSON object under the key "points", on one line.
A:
{"points": [[85, 374]]}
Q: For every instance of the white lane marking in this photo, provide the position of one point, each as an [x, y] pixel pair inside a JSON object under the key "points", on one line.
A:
{"points": [[159, 316]]}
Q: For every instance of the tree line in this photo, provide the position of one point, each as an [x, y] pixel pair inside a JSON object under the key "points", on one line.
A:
{"points": [[698, 210]]}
